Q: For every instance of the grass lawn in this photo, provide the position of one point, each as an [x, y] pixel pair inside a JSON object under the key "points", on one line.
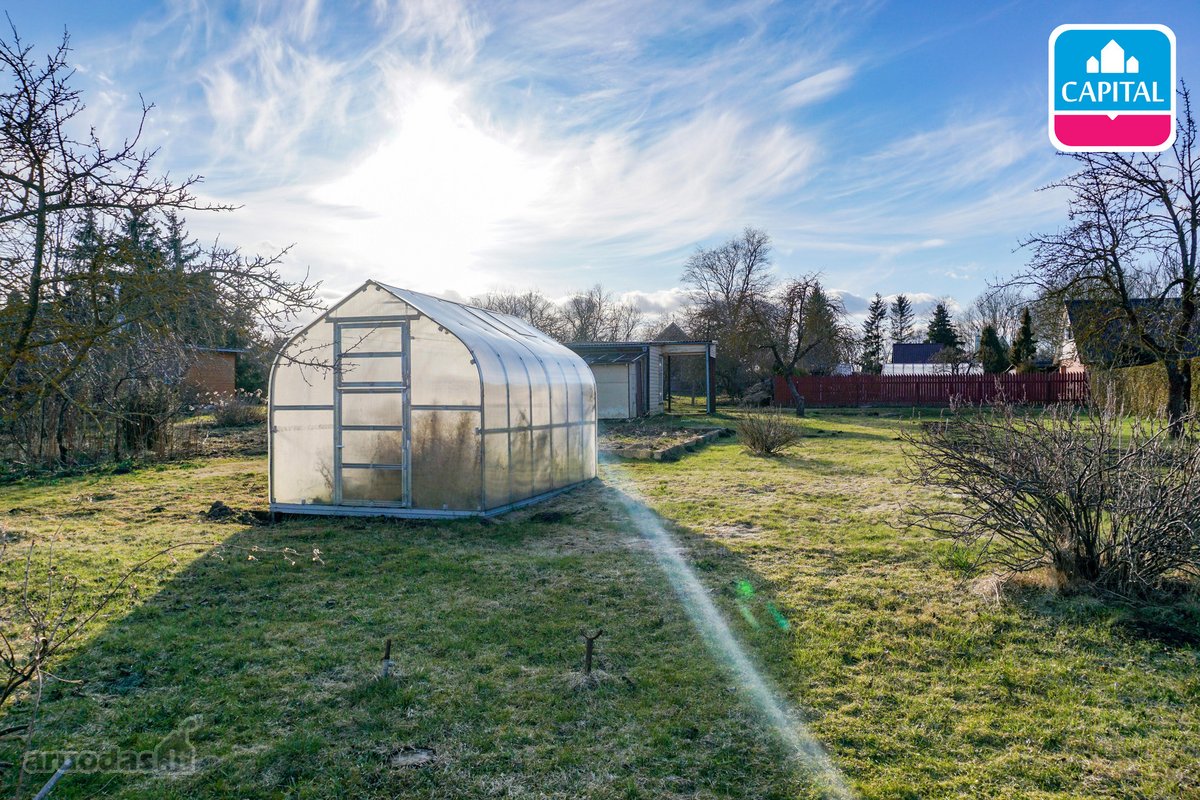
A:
{"points": [[917, 683]]}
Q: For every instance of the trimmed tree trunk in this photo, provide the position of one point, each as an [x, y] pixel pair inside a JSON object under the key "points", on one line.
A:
{"points": [[1179, 394], [797, 399]]}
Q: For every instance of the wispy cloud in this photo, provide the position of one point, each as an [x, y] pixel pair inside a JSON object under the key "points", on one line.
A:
{"points": [[817, 87], [457, 146]]}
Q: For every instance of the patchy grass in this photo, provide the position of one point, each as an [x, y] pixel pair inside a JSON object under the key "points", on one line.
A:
{"points": [[918, 683]]}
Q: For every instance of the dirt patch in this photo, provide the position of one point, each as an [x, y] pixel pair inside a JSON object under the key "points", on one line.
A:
{"points": [[219, 512], [736, 530], [409, 756]]}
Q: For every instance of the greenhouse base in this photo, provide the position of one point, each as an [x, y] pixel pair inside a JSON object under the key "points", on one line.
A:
{"points": [[414, 513]]}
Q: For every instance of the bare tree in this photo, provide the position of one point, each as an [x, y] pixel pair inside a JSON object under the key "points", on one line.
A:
{"points": [[799, 322], [1130, 248], [594, 315], [82, 275], [531, 306], [726, 285], [999, 307]]}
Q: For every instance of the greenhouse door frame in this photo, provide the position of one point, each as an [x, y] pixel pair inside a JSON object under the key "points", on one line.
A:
{"points": [[399, 388]]}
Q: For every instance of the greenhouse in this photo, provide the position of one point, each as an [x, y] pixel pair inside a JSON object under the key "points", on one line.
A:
{"points": [[398, 403]]}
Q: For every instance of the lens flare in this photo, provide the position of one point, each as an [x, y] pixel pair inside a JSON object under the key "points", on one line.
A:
{"points": [[787, 722]]}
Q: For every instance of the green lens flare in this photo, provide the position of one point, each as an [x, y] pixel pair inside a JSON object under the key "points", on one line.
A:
{"points": [[745, 589], [778, 616], [747, 614]]}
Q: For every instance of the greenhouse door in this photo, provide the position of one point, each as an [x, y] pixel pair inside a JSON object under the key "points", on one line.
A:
{"points": [[371, 414]]}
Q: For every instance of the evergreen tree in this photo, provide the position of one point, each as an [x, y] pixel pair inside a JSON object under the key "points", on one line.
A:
{"points": [[993, 355], [903, 320], [871, 357], [941, 328], [1024, 347]]}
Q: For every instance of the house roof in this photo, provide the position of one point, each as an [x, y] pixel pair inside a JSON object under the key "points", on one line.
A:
{"points": [[905, 353], [672, 333], [1103, 335]]}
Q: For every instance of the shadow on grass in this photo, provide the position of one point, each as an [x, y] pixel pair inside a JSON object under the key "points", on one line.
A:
{"points": [[273, 669]]}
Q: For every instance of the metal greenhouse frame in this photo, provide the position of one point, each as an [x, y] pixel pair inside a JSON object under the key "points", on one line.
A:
{"points": [[397, 403]]}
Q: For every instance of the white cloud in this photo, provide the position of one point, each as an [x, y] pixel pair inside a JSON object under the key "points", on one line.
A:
{"points": [[450, 147], [817, 87]]}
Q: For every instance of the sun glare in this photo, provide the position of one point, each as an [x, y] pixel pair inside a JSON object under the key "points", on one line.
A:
{"points": [[436, 190]]}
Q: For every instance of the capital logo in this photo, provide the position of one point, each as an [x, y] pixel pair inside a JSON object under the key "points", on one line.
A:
{"points": [[1112, 88]]}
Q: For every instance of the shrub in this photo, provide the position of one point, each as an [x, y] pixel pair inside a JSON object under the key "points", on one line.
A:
{"points": [[769, 432], [1109, 502], [238, 409]]}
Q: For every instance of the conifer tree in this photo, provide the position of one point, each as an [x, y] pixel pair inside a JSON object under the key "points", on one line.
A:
{"points": [[1024, 347], [941, 328], [993, 355], [902, 319], [871, 356]]}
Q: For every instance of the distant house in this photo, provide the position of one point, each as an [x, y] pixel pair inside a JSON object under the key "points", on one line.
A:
{"points": [[213, 370], [1099, 334], [926, 359]]}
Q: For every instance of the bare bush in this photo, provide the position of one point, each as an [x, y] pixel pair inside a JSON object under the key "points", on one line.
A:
{"points": [[237, 410], [768, 432], [1111, 503]]}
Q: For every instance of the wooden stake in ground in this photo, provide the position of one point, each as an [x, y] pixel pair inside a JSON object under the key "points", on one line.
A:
{"points": [[587, 652], [387, 658]]}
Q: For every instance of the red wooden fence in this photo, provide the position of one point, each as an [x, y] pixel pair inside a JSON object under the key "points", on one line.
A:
{"points": [[934, 390]]}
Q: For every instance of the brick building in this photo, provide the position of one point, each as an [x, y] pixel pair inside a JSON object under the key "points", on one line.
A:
{"points": [[213, 371]]}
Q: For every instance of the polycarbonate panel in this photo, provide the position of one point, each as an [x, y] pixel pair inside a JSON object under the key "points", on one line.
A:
{"points": [[588, 432], [520, 413], [521, 464], [575, 450], [303, 374], [540, 393], [445, 460], [375, 485], [561, 469], [371, 300], [302, 457], [441, 371], [495, 389], [371, 370], [574, 393], [588, 392], [558, 398], [373, 447], [496, 474], [372, 407], [543, 464], [382, 338]]}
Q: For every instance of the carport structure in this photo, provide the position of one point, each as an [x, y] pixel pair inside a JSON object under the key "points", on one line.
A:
{"points": [[633, 379]]}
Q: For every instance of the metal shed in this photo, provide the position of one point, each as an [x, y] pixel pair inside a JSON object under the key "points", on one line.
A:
{"points": [[398, 403]]}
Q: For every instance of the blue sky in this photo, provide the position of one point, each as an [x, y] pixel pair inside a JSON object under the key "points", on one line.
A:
{"points": [[457, 147]]}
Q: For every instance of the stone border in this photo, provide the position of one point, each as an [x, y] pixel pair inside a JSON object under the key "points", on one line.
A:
{"points": [[672, 453]]}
